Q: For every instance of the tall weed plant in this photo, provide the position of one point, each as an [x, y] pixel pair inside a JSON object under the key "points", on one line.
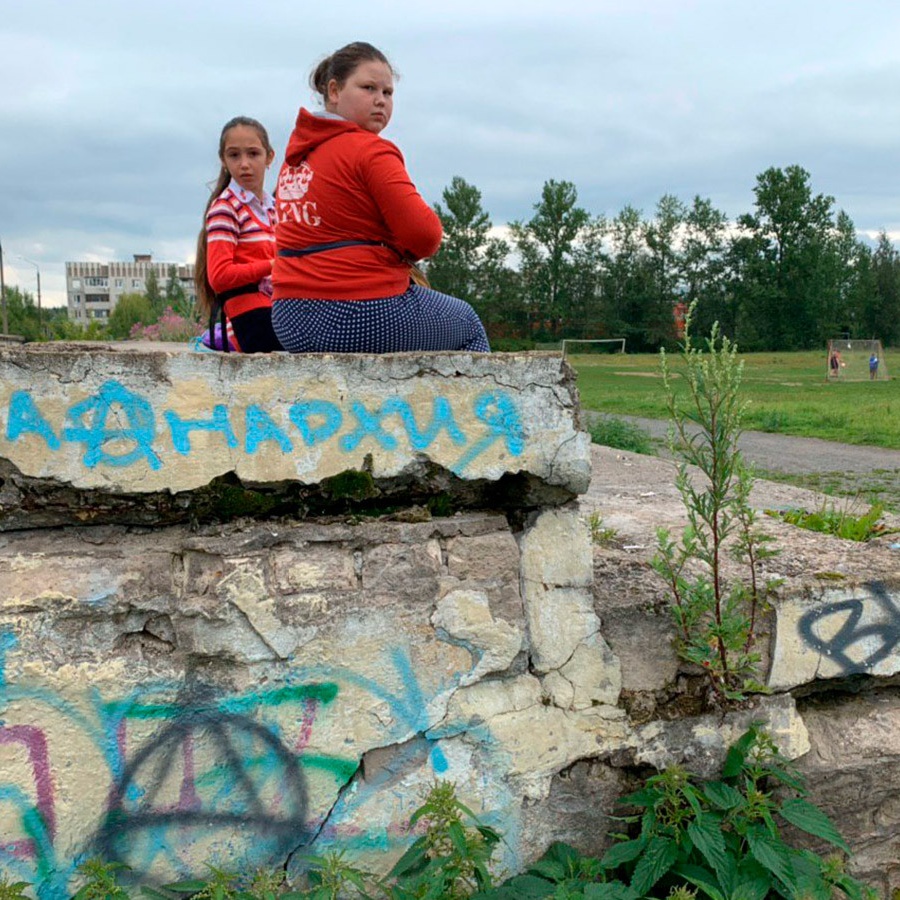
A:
{"points": [[716, 618]]}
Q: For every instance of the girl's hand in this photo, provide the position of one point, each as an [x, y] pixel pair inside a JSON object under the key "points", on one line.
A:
{"points": [[265, 286]]}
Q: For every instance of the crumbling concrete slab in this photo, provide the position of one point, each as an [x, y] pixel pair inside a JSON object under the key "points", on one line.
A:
{"points": [[140, 418]]}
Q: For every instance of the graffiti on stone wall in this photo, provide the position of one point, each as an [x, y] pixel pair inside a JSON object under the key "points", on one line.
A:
{"points": [[118, 427], [250, 782], [203, 773], [856, 633]]}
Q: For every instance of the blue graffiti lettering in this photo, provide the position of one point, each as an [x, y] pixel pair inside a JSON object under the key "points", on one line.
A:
{"points": [[260, 427], [369, 426], [441, 418], [8, 641], [181, 428], [115, 401], [499, 413], [26, 418], [301, 412], [115, 417]]}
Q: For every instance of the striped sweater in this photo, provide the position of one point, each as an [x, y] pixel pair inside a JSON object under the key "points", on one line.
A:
{"points": [[240, 244]]}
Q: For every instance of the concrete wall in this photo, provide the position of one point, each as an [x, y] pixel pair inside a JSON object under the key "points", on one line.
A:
{"points": [[251, 607]]}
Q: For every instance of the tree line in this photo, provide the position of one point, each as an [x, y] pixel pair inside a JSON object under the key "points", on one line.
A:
{"points": [[787, 276], [141, 308]]}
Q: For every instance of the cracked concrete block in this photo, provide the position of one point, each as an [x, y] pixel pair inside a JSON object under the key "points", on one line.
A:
{"points": [[559, 619], [556, 550], [401, 573], [577, 810], [42, 574], [479, 704], [232, 637], [314, 567], [540, 741], [488, 563], [384, 807], [853, 775], [479, 556], [247, 591], [181, 419], [591, 676], [632, 602], [466, 618], [701, 743], [836, 633]]}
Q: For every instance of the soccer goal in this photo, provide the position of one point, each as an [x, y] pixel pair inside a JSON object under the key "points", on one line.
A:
{"points": [[855, 360], [598, 345]]}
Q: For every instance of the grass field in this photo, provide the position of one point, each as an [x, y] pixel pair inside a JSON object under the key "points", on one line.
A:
{"points": [[785, 392]]}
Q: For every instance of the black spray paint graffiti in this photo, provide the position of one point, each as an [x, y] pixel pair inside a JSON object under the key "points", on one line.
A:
{"points": [[244, 787], [834, 630]]}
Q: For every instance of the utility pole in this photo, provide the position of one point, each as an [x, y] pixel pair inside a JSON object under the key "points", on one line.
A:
{"points": [[37, 269]]}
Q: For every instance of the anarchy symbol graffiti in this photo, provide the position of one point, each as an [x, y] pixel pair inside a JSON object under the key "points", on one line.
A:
{"points": [[211, 778]]}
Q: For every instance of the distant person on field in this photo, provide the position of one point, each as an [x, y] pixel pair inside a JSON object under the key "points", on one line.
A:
{"points": [[873, 366], [835, 364], [236, 246], [351, 223]]}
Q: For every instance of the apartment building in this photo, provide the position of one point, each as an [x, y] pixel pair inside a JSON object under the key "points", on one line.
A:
{"points": [[93, 289]]}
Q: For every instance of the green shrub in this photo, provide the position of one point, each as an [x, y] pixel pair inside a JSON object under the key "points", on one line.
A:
{"points": [[717, 839], [451, 859], [101, 881], [620, 434], [514, 345], [839, 522], [13, 890], [600, 534]]}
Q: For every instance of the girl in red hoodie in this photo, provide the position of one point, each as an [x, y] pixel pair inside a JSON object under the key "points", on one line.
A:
{"points": [[236, 246], [349, 223]]}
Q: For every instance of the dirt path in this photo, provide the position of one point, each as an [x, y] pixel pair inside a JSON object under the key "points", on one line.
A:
{"points": [[870, 472]]}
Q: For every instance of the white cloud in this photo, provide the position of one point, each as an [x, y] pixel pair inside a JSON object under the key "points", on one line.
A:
{"points": [[112, 111]]}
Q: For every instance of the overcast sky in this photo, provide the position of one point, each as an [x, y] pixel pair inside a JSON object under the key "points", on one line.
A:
{"points": [[110, 110]]}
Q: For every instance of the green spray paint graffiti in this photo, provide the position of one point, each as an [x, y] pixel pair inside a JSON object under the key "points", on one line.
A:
{"points": [[191, 770]]}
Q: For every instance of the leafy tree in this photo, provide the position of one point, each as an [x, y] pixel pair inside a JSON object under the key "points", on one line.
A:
{"points": [[153, 293], [703, 267], [835, 314], [470, 264], [661, 236], [546, 244], [785, 274], [626, 279], [175, 297], [881, 314], [22, 314], [59, 327], [862, 293], [589, 262], [131, 310], [466, 226]]}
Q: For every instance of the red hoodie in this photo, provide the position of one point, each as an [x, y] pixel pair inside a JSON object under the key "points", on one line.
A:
{"points": [[340, 182]]}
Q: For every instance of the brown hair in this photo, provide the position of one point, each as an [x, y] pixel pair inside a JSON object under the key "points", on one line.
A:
{"points": [[342, 63], [206, 296]]}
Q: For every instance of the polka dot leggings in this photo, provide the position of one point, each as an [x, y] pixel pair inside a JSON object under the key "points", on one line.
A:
{"points": [[420, 319]]}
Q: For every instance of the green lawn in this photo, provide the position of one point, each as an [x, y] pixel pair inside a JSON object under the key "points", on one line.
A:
{"points": [[785, 392]]}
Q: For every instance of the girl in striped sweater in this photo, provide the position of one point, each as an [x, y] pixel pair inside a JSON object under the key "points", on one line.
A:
{"points": [[236, 246]]}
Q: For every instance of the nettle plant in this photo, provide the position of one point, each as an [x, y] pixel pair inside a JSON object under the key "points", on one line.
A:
{"points": [[706, 840], [716, 618]]}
